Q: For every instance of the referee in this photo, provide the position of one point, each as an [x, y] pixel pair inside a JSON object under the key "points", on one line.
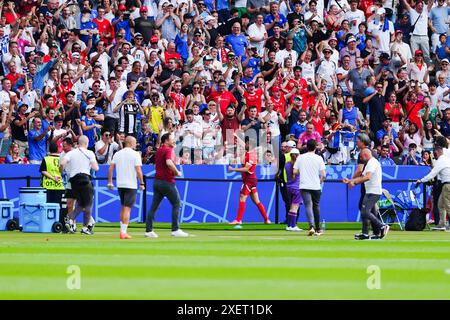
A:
{"points": [[128, 166], [78, 164], [164, 186], [371, 177]]}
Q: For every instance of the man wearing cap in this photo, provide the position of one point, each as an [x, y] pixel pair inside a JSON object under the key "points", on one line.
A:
{"points": [[354, 16], [400, 51], [119, 22], [168, 21], [350, 50], [144, 25], [327, 68], [89, 126], [382, 30], [419, 19]]}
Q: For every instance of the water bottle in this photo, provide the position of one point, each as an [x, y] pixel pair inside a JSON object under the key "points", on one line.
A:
{"points": [[324, 225]]}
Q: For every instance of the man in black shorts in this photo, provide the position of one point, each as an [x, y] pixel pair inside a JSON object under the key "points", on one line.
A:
{"points": [[128, 166]]}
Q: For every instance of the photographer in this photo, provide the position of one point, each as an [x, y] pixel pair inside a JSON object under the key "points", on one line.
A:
{"points": [[123, 21], [105, 148]]}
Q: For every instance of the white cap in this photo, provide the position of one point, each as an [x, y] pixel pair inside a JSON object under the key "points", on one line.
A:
{"points": [[291, 144], [295, 151], [208, 18], [90, 106], [381, 11]]}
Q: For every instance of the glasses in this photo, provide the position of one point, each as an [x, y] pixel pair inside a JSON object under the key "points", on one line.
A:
{"points": [[107, 134], [139, 38], [196, 88], [119, 70]]}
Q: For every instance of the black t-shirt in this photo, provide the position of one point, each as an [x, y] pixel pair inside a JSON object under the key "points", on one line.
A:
{"points": [[376, 109], [144, 27], [72, 116], [266, 67], [166, 74], [19, 133]]}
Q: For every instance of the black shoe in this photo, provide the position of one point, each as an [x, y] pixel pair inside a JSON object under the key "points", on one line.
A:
{"points": [[384, 231], [361, 236], [375, 237]]}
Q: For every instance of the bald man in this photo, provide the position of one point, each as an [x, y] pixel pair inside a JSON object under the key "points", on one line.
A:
{"points": [[371, 177], [78, 164], [128, 166]]}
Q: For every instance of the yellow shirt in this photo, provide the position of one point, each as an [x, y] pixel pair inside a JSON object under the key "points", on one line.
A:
{"points": [[156, 118]]}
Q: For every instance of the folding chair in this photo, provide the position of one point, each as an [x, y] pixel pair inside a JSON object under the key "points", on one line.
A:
{"points": [[388, 211]]}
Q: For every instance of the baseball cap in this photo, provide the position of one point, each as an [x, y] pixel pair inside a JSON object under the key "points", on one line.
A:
{"points": [[76, 55], [40, 53], [231, 53], [327, 48], [333, 37], [381, 11], [418, 52], [137, 34], [143, 8], [398, 31], [251, 83], [276, 88], [90, 96], [90, 106], [208, 58], [291, 144], [122, 8], [153, 39], [351, 39], [208, 18], [445, 60], [295, 150]]}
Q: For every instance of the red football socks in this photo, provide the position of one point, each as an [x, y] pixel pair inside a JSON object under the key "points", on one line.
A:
{"points": [[241, 210], [262, 210]]}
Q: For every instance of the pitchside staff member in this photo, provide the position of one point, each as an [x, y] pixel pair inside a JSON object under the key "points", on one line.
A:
{"points": [[441, 169], [371, 177], [311, 168], [128, 166], [79, 163], [51, 177], [164, 186]]}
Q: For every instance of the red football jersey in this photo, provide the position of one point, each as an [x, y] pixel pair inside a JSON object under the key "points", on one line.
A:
{"points": [[250, 157]]}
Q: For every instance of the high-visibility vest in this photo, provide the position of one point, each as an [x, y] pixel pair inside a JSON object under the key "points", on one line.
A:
{"points": [[52, 164], [287, 156]]}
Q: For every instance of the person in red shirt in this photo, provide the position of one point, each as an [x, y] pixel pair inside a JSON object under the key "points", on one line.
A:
{"points": [[170, 53], [222, 97], [252, 96], [10, 14], [164, 186], [64, 87], [298, 85], [412, 109], [177, 96], [105, 28], [13, 75], [249, 183]]}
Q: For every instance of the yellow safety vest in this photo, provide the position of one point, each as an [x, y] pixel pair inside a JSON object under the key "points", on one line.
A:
{"points": [[52, 164], [287, 156]]}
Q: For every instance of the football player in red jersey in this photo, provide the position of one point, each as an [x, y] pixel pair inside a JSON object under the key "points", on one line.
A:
{"points": [[249, 183]]}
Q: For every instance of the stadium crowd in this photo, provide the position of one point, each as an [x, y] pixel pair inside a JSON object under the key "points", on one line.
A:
{"points": [[208, 70]]}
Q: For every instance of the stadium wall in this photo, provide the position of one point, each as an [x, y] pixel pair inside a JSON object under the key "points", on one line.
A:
{"points": [[208, 201]]}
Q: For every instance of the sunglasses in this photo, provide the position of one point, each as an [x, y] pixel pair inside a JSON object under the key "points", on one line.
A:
{"points": [[119, 70], [139, 38], [107, 134]]}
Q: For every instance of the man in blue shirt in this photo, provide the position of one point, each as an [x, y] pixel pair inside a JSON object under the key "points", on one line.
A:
{"points": [[275, 17], [385, 159], [300, 126], [438, 18], [121, 23], [411, 158], [87, 26], [445, 124], [237, 41], [37, 141], [89, 126], [387, 130]]}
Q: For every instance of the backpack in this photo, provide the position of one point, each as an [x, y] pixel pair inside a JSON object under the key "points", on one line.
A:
{"points": [[416, 220]]}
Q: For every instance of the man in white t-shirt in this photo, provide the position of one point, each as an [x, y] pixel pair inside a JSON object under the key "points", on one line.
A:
{"points": [[354, 16], [128, 166], [258, 34], [78, 164], [272, 120], [311, 168], [382, 30], [105, 148], [192, 132], [371, 177]]}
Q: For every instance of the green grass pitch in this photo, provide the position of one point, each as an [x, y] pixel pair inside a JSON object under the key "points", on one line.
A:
{"points": [[217, 262]]}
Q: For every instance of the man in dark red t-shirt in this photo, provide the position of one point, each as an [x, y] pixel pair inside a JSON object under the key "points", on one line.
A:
{"points": [[164, 186]]}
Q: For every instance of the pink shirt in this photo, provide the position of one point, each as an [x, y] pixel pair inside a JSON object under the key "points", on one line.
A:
{"points": [[304, 137]]}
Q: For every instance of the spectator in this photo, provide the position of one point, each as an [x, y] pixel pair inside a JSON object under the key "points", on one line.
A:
{"points": [[412, 158], [37, 141], [14, 156], [105, 148], [385, 158]]}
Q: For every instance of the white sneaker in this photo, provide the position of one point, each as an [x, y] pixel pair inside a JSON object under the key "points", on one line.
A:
{"points": [[179, 233], [288, 228], [151, 234], [297, 229], [70, 226]]}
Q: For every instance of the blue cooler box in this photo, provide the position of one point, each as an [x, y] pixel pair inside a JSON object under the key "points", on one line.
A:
{"points": [[42, 217], [32, 195], [6, 214]]}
